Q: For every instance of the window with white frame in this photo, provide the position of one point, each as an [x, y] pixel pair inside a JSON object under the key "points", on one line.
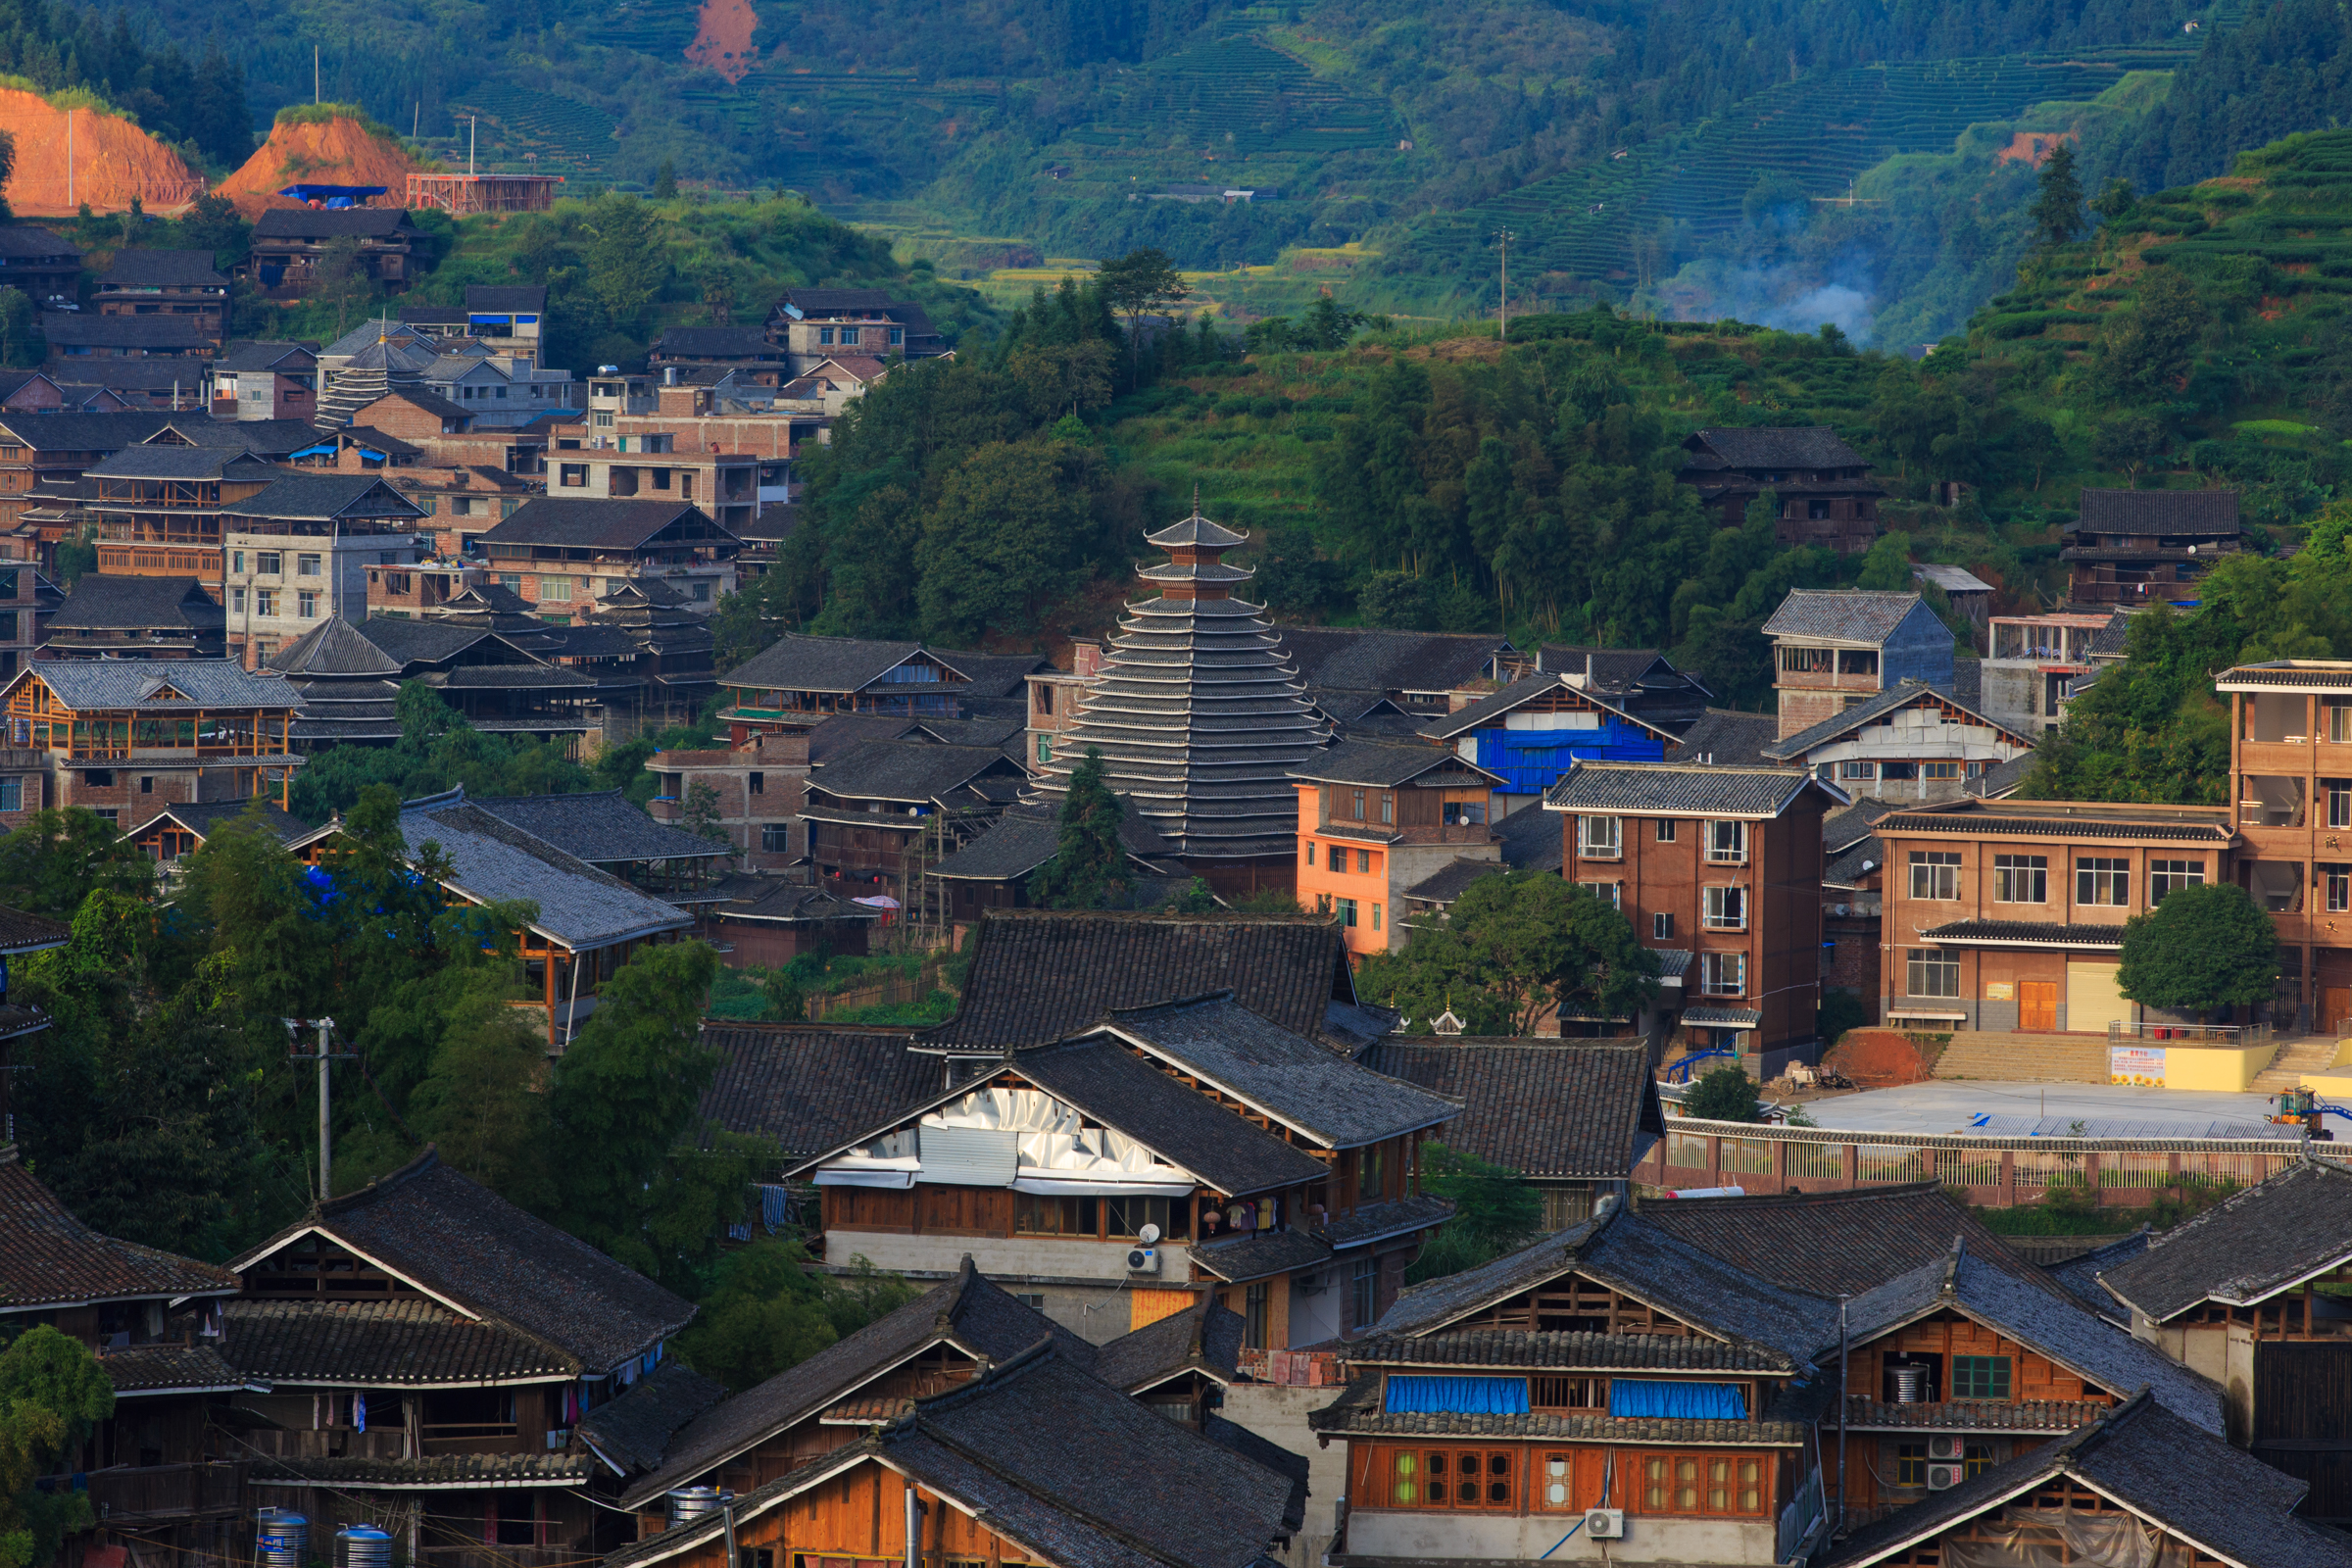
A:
{"points": [[1854, 770], [1727, 842], [2166, 875], [1667, 828], [2021, 879], [558, 589], [306, 565], [2339, 888], [306, 603], [1600, 838], [1726, 908], [1722, 974], [2103, 879], [1931, 972], [1936, 873]]}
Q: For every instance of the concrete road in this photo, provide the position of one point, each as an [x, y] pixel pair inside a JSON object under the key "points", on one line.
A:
{"points": [[2112, 1110]]}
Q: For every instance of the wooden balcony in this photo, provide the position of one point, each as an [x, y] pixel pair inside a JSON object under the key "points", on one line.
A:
{"points": [[167, 1493]]}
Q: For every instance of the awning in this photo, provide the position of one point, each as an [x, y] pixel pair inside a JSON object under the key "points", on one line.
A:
{"points": [[1723, 1017], [1064, 1187], [1927, 1013], [897, 1179]]}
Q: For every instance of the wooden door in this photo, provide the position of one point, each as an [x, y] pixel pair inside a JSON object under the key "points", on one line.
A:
{"points": [[2037, 1004], [2336, 1006]]}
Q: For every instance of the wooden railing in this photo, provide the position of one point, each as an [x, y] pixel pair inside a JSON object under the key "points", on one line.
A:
{"points": [[166, 1491]]}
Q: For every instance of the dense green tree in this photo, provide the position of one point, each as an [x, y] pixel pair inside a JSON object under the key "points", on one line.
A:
{"points": [[1089, 868], [480, 1101], [2057, 211], [1513, 947], [1725, 1094], [665, 181], [1140, 281], [52, 1393], [767, 1313], [2147, 349], [20, 342], [627, 264], [2203, 948], [1009, 534], [1496, 1211], [56, 859]]}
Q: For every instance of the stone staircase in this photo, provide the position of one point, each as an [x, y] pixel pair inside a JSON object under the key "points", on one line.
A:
{"points": [[2297, 1057], [2025, 1059]]}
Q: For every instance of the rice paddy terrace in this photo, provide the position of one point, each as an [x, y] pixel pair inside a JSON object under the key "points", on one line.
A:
{"points": [[1819, 133]]}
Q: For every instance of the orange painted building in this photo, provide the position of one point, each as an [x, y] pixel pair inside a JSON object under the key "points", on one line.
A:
{"points": [[1375, 819]]}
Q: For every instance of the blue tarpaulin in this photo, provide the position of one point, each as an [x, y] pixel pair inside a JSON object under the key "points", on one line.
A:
{"points": [[1457, 1396], [1722, 1402]]}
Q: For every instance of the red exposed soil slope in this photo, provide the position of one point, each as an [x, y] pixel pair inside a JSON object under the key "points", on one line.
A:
{"points": [[1877, 1059], [112, 161], [334, 152], [722, 38]]}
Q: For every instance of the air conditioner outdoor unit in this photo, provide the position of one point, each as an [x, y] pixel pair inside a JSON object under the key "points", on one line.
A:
{"points": [[1943, 1449], [1605, 1524], [1143, 1260], [1943, 1477]]}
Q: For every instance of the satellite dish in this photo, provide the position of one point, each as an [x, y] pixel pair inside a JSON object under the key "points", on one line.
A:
{"points": [[1149, 1235]]}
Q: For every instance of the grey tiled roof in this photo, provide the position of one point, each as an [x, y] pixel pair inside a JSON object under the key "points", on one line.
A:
{"points": [[1552, 1109], [456, 1472], [1025, 838], [1563, 1353], [1204, 1338], [335, 647], [304, 222], [142, 269], [63, 328], [1803, 446], [1304, 1085], [466, 1244], [1973, 1415], [1351, 659], [2026, 933], [579, 905], [409, 1341], [599, 826], [50, 1258], [966, 1310], [1043, 974], [718, 342], [205, 818], [2262, 1239], [2157, 511], [903, 772], [1827, 1244], [81, 432], [991, 674], [634, 1431], [810, 1088], [1677, 787], [1532, 840], [1109, 1082], [182, 463], [1860, 858], [836, 664], [1051, 1457], [585, 524], [2031, 819], [1725, 737], [101, 601], [33, 242], [89, 684], [2003, 780], [1370, 762], [2157, 1465], [1261, 1254], [2080, 1275], [162, 1369], [500, 299], [320, 497], [1842, 614], [1902, 695]]}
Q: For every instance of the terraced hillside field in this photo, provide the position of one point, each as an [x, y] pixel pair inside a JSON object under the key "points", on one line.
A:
{"points": [[1820, 133], [1239, 92], [569, 137]]}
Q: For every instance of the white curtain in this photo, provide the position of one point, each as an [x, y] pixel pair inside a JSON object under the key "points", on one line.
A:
{"points": [[2065, 1537], [1054, 1137]]}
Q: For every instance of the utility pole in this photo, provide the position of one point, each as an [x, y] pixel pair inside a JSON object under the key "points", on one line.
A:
{"points": [[324, 1055], [315, 94], [472, 128], [1502, 241]]}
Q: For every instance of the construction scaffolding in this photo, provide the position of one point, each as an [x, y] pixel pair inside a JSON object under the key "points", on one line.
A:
{"points": [[461, 194]]}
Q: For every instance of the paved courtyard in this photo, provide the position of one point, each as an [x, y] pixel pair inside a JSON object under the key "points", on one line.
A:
{"points": [[2110, 1110]]}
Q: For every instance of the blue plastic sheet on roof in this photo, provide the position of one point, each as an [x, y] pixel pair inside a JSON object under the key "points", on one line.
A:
{"points": [[1721, 1402], [1457, 1396], [1532, 760], [331, 193]]}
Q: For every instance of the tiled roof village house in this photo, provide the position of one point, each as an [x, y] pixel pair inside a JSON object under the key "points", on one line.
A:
{"points": [[1571, 1116], [1035, 1461], [1826, 493], [158, 1466], [108, 616], [1719, 869], [1374, 821], [287, 244], [2248, 1294], [1199, 717], [425, 1346], [876, 816], [1833, 645], [124, 736], [2136, 548], [167, 284], [1678, 1363], [588, 921], [1533, 730], [1048, 1165], [1911, 741]]}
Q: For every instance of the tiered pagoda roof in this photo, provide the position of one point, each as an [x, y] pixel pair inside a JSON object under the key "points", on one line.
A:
{"points": [[1198, 713]]}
